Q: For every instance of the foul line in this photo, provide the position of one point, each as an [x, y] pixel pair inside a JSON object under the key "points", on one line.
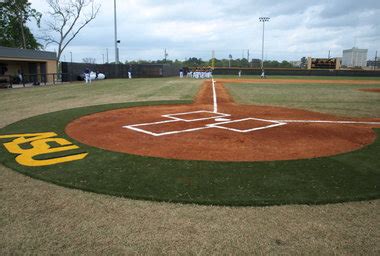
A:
{"points": [[176, 117], [329, 122], [214, 96]]}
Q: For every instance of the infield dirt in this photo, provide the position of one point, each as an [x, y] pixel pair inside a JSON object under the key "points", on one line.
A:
{"points": [[284, 142], [370, 90]]}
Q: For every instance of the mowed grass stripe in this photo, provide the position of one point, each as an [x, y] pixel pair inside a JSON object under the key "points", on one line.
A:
{"points": [[341, 100]]}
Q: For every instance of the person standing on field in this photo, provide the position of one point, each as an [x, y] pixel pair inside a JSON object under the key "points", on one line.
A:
{"points": [[130, 72], [87, 76], [20, 76], [263, 74]]}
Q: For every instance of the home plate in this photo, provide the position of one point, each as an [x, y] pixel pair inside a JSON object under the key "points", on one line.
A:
{"points": [[222, 119]]}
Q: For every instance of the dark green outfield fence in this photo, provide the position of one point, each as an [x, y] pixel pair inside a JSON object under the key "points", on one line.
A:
{"points": [[74, 70]]}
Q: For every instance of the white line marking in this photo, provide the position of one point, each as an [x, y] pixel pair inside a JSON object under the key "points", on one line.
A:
{"points": [[330, 122], [140, 130], [215, 115], [145, 124], [222, 119], [214, 96], [219, 125], [133, 127]]}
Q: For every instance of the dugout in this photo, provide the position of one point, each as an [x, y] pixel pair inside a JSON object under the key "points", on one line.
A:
{"points": [[35, 66]]}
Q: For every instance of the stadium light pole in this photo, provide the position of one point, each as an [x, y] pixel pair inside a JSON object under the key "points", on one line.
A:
{"points": [[263, 20], [116, 41]]}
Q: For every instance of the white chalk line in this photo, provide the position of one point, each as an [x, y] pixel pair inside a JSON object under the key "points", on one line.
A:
{"points": [[215, 115], [275, 123], [219, 125], [176, 119], [132, 127], [214, 96], [326, 121]]}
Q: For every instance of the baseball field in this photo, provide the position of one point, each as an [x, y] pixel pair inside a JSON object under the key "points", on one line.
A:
{"points": [[166, 166]]}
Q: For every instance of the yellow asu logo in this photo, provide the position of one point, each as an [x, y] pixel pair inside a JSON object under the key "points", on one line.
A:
{"points": [[39, 146]]}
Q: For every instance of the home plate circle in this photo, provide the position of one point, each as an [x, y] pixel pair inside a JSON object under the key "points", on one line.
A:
{"points": [[235, 133]]}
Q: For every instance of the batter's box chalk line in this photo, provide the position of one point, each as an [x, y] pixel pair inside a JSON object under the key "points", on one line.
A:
{"points": [[221, 122], [220, 125], [212, 115]]}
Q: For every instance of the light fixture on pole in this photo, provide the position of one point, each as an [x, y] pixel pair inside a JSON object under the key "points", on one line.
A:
{"points": [[263, 20]]}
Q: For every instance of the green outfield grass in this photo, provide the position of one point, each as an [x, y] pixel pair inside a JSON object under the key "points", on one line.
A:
{"points": [[347, 177], [342, 99], [21, 102], [123, 89]]}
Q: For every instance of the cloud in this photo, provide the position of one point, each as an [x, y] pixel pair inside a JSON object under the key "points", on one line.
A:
{"points": [[194, 28]]}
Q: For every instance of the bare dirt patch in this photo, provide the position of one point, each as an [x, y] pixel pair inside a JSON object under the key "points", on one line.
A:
{"points": [[219, 140], [370, 90]]}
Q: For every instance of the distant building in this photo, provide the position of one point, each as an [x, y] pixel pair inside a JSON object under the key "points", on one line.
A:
{"points": [[323, 63], [355, 57]]}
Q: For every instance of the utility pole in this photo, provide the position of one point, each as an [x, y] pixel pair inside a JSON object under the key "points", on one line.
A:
{"points": [[329, 55], [116, 41], [213, 59], [165, 55], [71, 57], [103, 57], [375, 64], [263, 20], [107, 55], [248, 57]]}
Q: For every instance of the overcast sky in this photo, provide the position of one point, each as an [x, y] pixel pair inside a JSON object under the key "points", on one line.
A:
{"points": [[193, 28]]}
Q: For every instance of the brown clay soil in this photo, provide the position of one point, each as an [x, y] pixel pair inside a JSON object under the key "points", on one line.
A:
{"points": [[370, 89], [291, 141]]}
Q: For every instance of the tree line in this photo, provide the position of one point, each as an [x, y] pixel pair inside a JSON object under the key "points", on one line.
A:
{"points": [[198, 62]]}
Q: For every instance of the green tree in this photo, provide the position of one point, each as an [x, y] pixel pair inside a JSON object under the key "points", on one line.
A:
{"points": [[194, 62], [68, 18], [14, 15]]}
